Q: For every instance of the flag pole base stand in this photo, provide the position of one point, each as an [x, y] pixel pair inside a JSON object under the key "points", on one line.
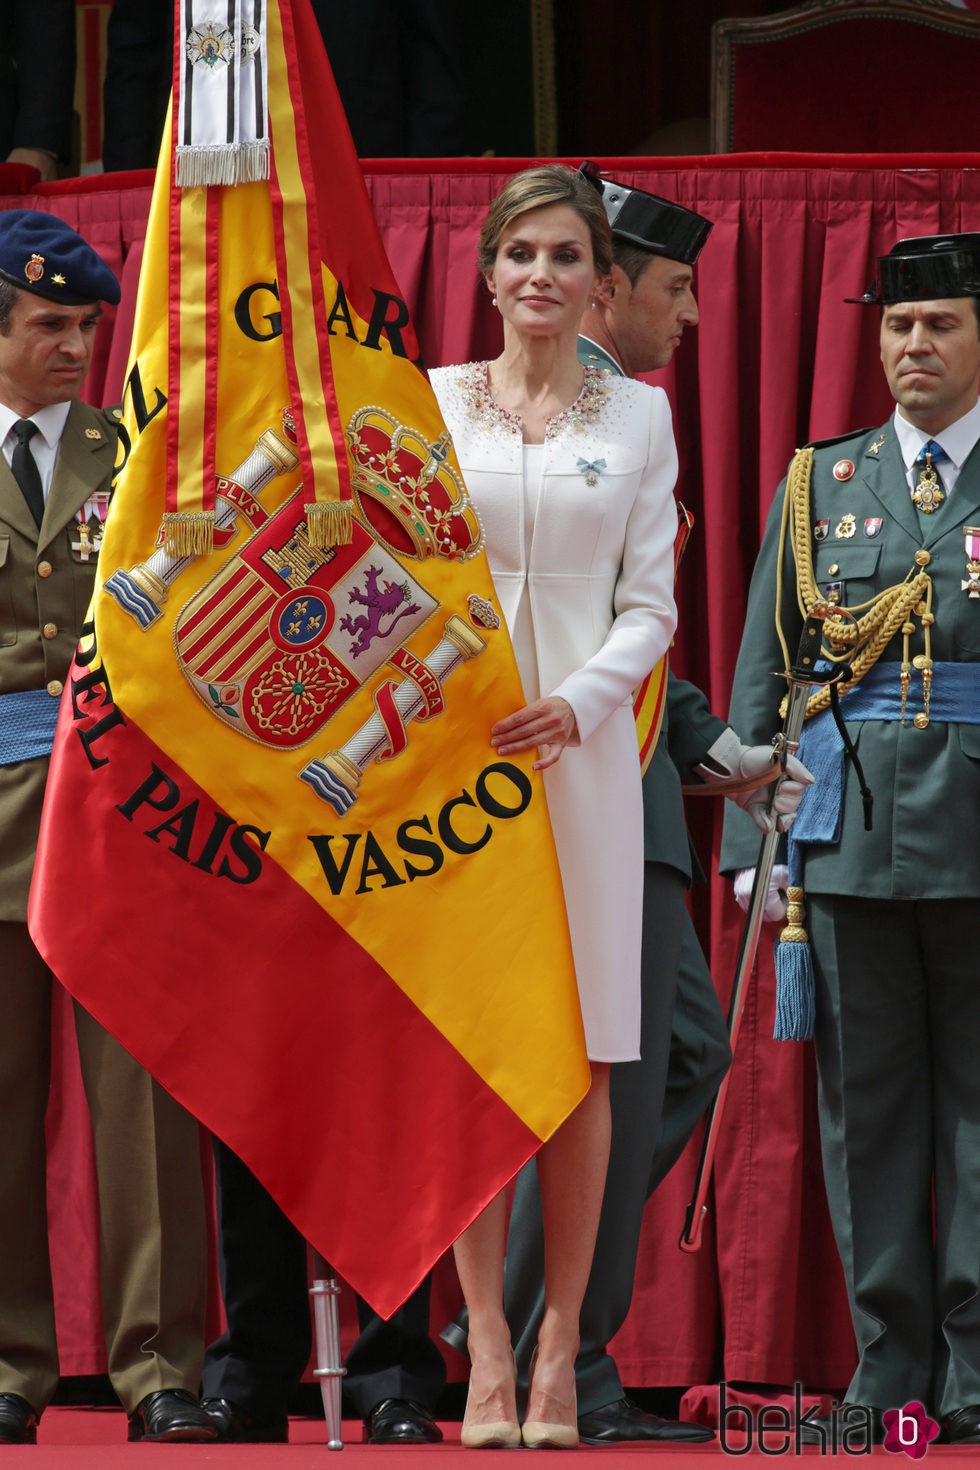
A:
{"points": [[326, 1326]]}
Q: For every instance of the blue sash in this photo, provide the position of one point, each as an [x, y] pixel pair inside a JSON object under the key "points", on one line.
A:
{"points": [[27, 721], [955, 700]]}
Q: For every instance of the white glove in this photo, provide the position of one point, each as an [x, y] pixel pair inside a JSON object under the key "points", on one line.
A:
{"points": [[729, 757], [776, 904]]}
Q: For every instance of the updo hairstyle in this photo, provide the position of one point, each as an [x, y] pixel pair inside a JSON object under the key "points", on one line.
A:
{"points": [[537, 188]]}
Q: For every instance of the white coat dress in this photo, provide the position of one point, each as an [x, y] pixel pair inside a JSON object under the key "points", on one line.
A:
{"points": [[597, 570]]}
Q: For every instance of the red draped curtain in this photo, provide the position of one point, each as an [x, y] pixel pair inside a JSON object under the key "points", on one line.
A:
{"points": [[778, 359]]}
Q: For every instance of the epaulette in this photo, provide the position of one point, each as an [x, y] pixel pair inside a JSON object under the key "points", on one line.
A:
{"points": [[112, 418], [110, 415], [839, 439]]}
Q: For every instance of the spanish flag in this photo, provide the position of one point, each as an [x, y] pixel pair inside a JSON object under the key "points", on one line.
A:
{"points": [[280, 859]]}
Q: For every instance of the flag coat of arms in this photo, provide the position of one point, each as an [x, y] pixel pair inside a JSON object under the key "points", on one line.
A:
{"points": [[279, 858]]}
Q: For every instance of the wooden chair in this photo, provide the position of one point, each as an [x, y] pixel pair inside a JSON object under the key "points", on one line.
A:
{"points": [[848, 76]]}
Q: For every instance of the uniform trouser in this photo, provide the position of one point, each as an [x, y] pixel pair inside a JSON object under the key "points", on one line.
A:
{"points": [[656, 1104], [264, 1350], [153, 1242], [262, 1355], [898, 1054], [396, 1359]]}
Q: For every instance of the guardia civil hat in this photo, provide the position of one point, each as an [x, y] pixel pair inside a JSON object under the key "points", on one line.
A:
{"points": [[926, 268], [42, 255], [646, 220]]}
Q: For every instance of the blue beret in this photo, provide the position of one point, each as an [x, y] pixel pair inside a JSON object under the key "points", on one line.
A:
{"points": [[41, 254]]}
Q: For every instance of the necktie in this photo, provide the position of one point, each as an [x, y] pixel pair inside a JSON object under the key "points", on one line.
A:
{"points": [[929, 494], [25, 469]]}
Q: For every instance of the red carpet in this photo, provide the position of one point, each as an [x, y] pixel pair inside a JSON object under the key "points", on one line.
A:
{"points": [[95, 1439]]}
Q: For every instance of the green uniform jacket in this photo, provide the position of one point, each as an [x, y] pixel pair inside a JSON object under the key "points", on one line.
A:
{"points": [[925, 782], [45, 588], [688, 733]]}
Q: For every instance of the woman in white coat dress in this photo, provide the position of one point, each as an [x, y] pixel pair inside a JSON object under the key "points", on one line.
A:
{"points": [[572, 470]]}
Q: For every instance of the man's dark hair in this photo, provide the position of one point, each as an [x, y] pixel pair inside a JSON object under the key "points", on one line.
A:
{"points": [[8, 300], [631, 259]]}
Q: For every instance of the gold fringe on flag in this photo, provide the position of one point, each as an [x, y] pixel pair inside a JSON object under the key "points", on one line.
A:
{"points": [[330, 523], [188, 532]]}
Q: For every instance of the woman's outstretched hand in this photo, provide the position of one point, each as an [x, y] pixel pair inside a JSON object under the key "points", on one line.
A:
{"points": [[547, 724]]}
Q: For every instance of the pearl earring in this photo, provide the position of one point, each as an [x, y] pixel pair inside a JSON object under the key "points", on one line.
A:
{"points": [[493, 300]]}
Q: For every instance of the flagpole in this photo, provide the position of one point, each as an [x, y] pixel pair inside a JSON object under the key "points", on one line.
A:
{"points": [[326, 1328]]}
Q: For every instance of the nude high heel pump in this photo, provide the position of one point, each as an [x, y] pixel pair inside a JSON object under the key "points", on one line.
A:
{"points": [[539, 1434], [499, 1434], [502, 1435]]}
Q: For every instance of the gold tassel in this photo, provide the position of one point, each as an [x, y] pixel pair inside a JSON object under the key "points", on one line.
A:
{"points": [[330, 523], [188, 532], [793, 931]]}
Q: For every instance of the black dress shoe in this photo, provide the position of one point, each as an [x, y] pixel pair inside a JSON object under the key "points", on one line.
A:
{"points": [[625, 1420], [456, 1333], [18, 1421], [171, 1414], [849, 1427], [962, 1426], [400, 1421], [235, 1425]]}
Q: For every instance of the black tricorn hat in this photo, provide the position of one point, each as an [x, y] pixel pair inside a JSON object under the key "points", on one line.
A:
{"points": [[925, 268], [648, 221]]}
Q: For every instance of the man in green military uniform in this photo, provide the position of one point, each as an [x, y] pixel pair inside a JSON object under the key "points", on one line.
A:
{"points": [[56, 459], [641, 313], [887, 523]]}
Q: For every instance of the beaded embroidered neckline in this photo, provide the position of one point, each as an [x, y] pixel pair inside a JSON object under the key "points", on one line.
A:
{"points": [[483, 408]]}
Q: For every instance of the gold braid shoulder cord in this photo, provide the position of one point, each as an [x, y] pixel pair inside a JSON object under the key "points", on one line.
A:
{"points": [[858, 641]]}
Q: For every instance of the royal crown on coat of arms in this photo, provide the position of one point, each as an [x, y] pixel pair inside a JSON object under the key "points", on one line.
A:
{"points": [[482, 612], [413, 498]]}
